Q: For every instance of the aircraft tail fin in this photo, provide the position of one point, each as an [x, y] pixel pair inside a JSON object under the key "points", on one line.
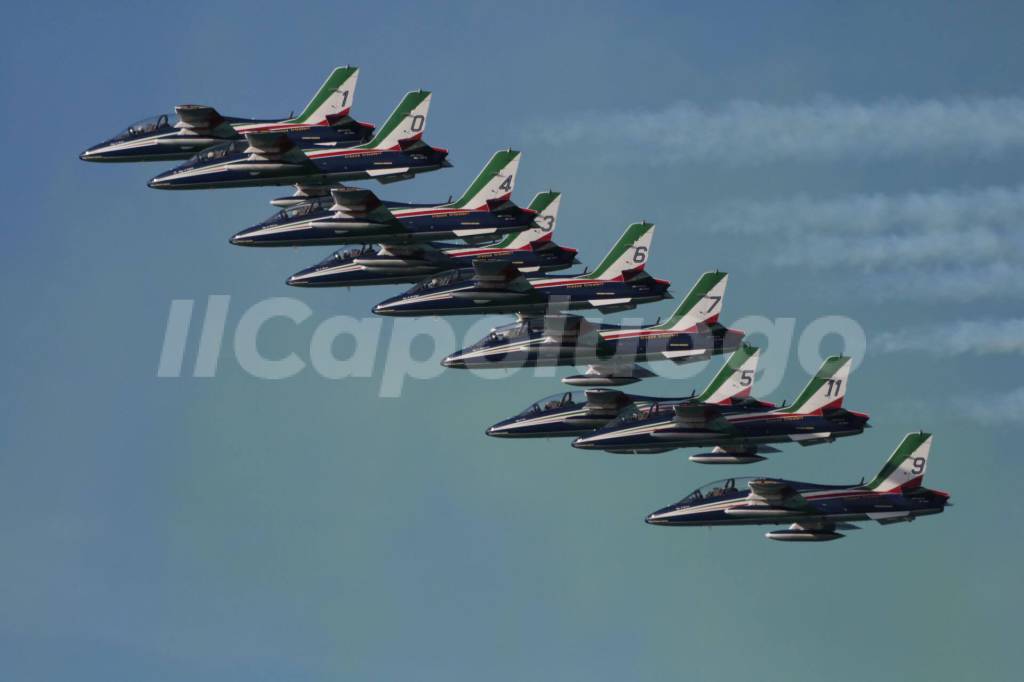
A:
{"points": [[494, 183], [904, 470], [407, 122], [629, 255], [826, 388], [701, 306], [546, 205], [736, 377], [333, 100]]}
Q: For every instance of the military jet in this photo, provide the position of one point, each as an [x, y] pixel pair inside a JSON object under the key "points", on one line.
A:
{"points": [[618, 283], [531, 250], [816, 416], [349, 215], [691, 334], [816, 512], [396, 152], [580, 412], [194, 127]]}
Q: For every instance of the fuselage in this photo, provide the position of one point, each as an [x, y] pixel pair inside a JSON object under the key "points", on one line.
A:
{"points": [[529, 343], [322, 226], [369, 266], [158, 139], [320, 163], [744, 428], [463, 296], [571, 415], [729, 503]]}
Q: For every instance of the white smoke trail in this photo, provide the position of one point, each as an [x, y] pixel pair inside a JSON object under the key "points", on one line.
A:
{"points": [[978, 337], [994, 410], [945, 245], [744, 132]]}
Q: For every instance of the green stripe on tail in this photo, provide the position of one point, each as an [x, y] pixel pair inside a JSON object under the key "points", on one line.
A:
{"points": [[632, 234], [397, 118], [911, 444], [697, 305], [731, 366], [326, 91]]}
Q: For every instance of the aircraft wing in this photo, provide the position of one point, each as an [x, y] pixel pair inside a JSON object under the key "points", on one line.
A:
{"points": [[197, 117], [496, 281], [702, 416], [778, 494], [491, 274], [277, 147], [604, 401], [356, 202], [423, 250]]}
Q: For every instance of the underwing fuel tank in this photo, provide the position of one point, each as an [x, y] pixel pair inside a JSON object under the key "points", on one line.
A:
{"points": [[395, 264], [610, 377], [720, 455], [590, 380], [803, 535], [484, 295]]}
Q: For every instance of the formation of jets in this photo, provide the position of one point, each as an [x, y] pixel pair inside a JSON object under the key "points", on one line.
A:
{"points": [[499, 257]]}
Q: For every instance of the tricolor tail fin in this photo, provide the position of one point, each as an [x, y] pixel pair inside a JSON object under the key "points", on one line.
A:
{"points": [[546, 205], [406, 122], [736, 377], [701, 306], [494, 183], [905, 468], [826, 388], [629, 254], [334, 98]]}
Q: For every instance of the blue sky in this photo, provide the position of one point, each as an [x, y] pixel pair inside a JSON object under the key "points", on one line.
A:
{"points": [[857, 160]]}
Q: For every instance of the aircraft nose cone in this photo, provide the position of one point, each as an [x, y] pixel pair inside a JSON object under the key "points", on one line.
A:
{"points": [[385, 308], [163, 181], [654, 519], [243, 238], [582, 444], [496, 431], [453, 362]]}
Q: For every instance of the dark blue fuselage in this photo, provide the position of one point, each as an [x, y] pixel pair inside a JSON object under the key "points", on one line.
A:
{"points": [[362, 267], [323, 226], [466, 297], [572, 340], [232, 166]]}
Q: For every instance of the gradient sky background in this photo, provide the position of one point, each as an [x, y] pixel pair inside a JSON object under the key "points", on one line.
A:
{"points": [[241, 529]]}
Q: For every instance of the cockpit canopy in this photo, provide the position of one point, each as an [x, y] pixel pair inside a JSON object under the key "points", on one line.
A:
{"points": [[515, 330], [342, 255], [220, 151], [727, 487], [145, 126], [443, 279], [640, 410], [299, 210], [556, 401]]}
